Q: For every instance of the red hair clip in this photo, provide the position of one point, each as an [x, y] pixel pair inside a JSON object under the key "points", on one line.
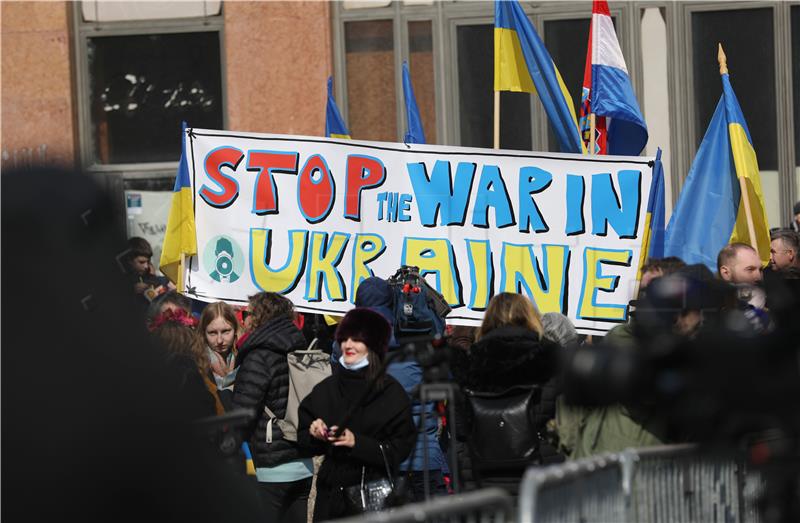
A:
{"points": [[173, 316]]}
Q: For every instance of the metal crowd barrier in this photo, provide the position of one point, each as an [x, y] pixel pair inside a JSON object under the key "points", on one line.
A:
{"points": [[652, 485], [491, 505]]}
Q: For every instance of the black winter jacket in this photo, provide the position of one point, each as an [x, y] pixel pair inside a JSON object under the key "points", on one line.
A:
{"points": [[263, 379], [385, 417], [503, 358]]}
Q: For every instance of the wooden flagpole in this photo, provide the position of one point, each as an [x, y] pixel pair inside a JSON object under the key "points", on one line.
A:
{"points": [[181, 283], [592, 127], [497, 119], [751, 230]]}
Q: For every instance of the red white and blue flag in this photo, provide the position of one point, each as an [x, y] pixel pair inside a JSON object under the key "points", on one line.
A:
{"points": [[608, 93]]}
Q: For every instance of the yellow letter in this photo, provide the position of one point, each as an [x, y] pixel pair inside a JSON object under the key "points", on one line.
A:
{"points": [[522, 272], [480, 273], [323, 257], [435, 256], [594, 280], [366, 248], [282, 280]]}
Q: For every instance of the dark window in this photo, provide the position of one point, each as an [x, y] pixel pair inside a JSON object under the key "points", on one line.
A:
{"points": [[369, 55], [567, 42], [747, 37], [143, 86], [420, 65], [476, 95]]}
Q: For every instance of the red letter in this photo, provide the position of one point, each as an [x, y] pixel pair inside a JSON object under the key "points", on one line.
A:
{"points": [[265, 199], [363, 172], [315, 197], [215, 160]]}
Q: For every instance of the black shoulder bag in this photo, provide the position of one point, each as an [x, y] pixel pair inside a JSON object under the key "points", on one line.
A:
{"points": [[370, 496]]}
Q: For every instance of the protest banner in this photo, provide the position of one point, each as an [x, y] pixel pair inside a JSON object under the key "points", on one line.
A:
{"points": [[313, 217]]}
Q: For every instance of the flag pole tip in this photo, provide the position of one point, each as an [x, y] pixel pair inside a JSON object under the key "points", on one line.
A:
{"points": [[722, 59]]}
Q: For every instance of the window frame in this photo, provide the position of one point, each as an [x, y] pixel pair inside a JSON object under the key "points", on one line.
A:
{"points": [[446, 17], [83, 31], [683, 106]]}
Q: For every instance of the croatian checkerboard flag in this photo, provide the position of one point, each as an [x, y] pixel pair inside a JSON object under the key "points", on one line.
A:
{"points": [[611, 94]]}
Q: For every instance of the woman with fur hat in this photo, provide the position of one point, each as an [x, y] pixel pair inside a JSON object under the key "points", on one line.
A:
{"points": [[372, 407]]}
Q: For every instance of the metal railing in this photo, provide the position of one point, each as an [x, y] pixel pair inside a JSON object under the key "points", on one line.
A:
{"points": [[482, 506], [651, 485]]}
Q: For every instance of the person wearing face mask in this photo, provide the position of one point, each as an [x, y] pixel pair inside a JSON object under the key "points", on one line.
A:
{"points": [[372, 407], [218, 327]]}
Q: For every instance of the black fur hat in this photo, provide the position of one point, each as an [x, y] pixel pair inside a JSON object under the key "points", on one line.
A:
{"points": [[368, 327]]}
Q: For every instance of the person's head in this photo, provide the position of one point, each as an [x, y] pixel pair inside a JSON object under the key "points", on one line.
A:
{"points": [[266, 306], [177, 334], [658, 267], [218, 326], [363, 333], [169, 301], [784, 249], [797, 214], [138, 255], [510, 309], [739, 263], [559, 329]]}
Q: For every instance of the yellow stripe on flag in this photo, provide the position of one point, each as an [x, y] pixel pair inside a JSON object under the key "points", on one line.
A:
{"points": [[340, 136], [510, 70], [744, 159], [180, 234]]}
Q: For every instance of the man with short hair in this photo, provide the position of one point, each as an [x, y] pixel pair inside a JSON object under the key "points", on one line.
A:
{"points": [[739, 263], [784, 249]]}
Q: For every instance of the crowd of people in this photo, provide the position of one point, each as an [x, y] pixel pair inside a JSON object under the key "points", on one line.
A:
{"points": [[104, 422], [365, 418]]}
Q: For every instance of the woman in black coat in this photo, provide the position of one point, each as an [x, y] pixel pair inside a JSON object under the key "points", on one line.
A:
{"points": [[284, 476], [372, 407], [509, 352]]}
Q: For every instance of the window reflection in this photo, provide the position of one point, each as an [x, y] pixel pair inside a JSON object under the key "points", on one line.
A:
{"points": [[143, 86]]}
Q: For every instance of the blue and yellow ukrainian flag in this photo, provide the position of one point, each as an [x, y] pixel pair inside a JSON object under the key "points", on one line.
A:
{"points": [[522, 64], [710, 211], [334, 123], [653, 246], [180, 237]]}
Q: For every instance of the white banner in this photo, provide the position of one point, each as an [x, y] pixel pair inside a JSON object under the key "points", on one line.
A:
{"points": [[312, 217]]}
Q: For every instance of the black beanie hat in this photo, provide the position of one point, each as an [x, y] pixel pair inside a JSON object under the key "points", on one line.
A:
{"points": [[368, 327]]}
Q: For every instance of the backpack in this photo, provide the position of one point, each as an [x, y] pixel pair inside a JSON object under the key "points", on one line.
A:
{"points": [[503, 435], [306, 369], [419, 310]]}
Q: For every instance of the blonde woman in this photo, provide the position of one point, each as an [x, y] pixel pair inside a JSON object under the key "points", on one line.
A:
{"points": [[509, 355], [219, 328]]}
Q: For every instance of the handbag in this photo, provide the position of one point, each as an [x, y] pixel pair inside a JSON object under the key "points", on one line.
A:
{"points": [[370, 496]]}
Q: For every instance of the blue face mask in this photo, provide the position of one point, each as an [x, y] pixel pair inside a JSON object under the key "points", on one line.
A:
{"points": [[360, 364]]}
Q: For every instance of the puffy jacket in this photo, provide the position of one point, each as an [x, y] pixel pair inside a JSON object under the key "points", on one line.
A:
{"points": [[263, 379]]}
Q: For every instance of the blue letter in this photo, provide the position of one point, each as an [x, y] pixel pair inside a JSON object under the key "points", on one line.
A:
{"points": [[489, 195], [403, 207], [607, 208], [438, 192], [532, 180], [576, 191]]}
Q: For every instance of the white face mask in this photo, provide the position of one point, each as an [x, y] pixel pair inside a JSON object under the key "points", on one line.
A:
{"points": [[360, 364]]}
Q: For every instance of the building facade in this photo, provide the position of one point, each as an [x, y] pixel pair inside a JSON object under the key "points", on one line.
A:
{"points": [[103, 86]]}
